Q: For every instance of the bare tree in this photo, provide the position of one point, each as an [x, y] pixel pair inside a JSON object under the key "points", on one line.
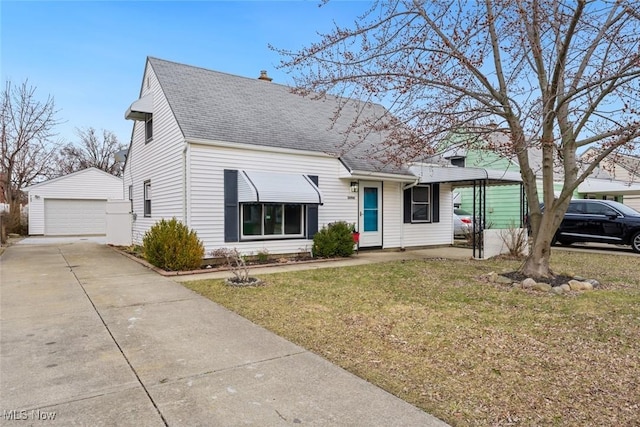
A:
{"points": [[91, 150], [26, 129], [551, 75]]}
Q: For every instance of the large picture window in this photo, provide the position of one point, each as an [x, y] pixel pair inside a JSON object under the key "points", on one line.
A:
{"points": [[421, 203], [271, 220]]}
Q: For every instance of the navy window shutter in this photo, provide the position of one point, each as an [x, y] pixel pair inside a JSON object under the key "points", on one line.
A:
{"points": [[407, 205], [231, 220], [312, 213], [435, 202]]}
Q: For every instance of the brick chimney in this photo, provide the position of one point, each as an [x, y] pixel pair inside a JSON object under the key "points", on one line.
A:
{"points": [[264, 76]]}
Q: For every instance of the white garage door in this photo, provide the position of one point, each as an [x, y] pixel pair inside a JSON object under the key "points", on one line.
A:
{"points": [[74, 217]]}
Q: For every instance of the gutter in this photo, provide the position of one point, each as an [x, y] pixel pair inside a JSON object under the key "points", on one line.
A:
{"points": [[372, 176]]}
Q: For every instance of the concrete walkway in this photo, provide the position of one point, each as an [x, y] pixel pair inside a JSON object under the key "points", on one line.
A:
{"points": [[89, 337]]}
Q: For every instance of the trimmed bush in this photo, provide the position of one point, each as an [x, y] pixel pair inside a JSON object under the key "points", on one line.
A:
{"points": [[334, 240], [170, 245]]}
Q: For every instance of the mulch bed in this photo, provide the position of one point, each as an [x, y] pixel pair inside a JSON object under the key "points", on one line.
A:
{"points": [[557, 280]]}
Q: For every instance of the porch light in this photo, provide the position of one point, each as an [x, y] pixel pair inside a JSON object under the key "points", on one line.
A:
{"points": [[353, 187]]}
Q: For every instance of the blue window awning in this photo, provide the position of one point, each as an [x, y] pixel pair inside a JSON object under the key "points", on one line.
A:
{"points": [[270, 187]]}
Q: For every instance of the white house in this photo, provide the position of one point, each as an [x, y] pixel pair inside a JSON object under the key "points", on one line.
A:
{"points": [[73, 204], [248, 164], [623, 182]]}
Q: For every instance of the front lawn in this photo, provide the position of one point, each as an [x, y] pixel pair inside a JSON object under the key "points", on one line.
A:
{"points": [[468, 352]]}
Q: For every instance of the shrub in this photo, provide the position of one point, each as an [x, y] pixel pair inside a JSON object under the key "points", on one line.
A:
{"points": [[334, 240], [516, 240], [15, 223], [170, 245], [237, 264], [263, 256]]}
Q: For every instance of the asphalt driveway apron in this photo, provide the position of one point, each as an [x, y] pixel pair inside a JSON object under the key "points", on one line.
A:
{"points": [[89, 337]]}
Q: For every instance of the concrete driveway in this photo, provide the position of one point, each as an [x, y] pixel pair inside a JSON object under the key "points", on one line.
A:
{"points": [[60, 240], [89, 337]]}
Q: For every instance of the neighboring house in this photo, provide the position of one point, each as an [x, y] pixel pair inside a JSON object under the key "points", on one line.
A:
{"points": [[623, 184], [504, 203], [250, 165], [73, 204]]}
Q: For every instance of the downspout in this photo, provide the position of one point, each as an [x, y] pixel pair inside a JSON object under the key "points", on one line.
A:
{"points": [[185, 218]]}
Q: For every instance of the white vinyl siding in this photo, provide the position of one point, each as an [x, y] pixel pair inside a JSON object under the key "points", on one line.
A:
{"points": [[392, 214], [632, 201], [205, 199], [206, 192], [435, 233], [160, 162], [88, 184]]}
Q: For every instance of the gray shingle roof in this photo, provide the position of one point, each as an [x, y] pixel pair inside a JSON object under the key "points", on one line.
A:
{"points": [[211, 105]]}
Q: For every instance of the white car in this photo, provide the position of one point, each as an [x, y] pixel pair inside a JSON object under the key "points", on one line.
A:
{"points": [[462, 224]]}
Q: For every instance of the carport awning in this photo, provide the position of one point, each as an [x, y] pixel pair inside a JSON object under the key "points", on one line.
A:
{"points": [[140, 108], [431, 174], [268, 187]]}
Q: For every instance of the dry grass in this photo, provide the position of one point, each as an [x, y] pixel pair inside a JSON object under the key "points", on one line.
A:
{"points": [[468, 352]]}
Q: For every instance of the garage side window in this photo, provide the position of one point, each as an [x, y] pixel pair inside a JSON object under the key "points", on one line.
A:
{"points": [[147, 198]]}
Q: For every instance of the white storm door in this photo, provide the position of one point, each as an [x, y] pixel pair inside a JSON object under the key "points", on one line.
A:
{"points": [[370, 215]]}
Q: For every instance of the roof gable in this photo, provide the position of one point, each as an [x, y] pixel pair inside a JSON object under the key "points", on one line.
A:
{"points": [[97, 173], [215, 106]]}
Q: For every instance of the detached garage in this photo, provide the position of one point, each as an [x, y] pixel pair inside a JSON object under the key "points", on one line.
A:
{"points": [[73, 204]]}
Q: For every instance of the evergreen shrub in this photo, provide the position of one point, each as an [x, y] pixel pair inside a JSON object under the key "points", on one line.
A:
{"points": [[334, 240], [172, 246]]}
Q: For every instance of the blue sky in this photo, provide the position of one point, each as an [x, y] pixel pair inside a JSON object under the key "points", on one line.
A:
{"points": [[90, 55]]}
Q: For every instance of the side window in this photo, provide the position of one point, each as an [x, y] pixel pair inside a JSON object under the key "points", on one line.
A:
{"points": [[457, 161], [576, 208], [595, 209], [420, 204], [148, 127], [147, 198], [600, 209]]}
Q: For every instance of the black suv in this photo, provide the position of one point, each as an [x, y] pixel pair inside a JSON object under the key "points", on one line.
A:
{"points": [[601, 221]]}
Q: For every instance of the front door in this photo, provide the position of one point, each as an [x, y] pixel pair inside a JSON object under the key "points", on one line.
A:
{"points": [[370, 215]]}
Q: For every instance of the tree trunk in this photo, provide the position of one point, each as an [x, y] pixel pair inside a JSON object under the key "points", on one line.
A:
{"points": [[537, 264], [14, 219]]}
